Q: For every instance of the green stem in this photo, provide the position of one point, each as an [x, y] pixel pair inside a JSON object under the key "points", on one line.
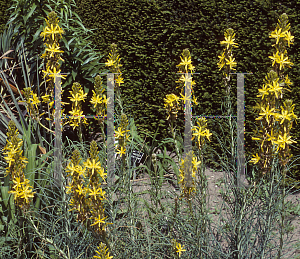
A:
{"points": [[282, 216], [62, 253]]}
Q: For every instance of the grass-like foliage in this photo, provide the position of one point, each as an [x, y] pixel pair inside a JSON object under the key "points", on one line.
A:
{"points": [[86, 216]]}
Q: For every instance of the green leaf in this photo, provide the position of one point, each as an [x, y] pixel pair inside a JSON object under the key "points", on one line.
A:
{"points": [[33, 7]]}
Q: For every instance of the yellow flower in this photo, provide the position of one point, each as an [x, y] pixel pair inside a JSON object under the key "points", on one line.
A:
{"points": [[195, 162], [10, 158], [80, 190], [255, 159], [266, 112], [46, 98], [186, 62], [277, 34], [99, 221], [105, 100], [55, 73], [289, 38], [96, 99], [281, 60], [119, 80], [229, 42], [179, 249], [275, 57], [103, 254], [26, 193], [109, 63], [122, 151], [119, 133], [222, 57], [71, 168], [185, 98], [263, 92], [76, 98], [287, 80], [53, 49], [282, 140], [102, 174], [275, 87], [170, 99], [285, 115], [220, 65], [93, 165], [231, 63], [95, 192], [34, 100], [17, 182]]}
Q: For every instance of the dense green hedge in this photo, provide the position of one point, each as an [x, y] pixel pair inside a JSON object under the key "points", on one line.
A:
{"points": [[151, 36], [4, 13]]}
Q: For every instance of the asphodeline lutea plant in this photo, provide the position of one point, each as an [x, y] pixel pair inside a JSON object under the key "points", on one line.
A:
{"points": [[275, 123], [188, 191], [123, 137], [87, 195], [172, 102], [177, 248], [113, 62], [76, 187], [227, 63], [99, 102], [20, 188], [77, 119], [96, 175], [52, 34]]}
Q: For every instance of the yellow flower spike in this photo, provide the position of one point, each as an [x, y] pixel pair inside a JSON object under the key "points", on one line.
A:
{"points": [[103, 254]]}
